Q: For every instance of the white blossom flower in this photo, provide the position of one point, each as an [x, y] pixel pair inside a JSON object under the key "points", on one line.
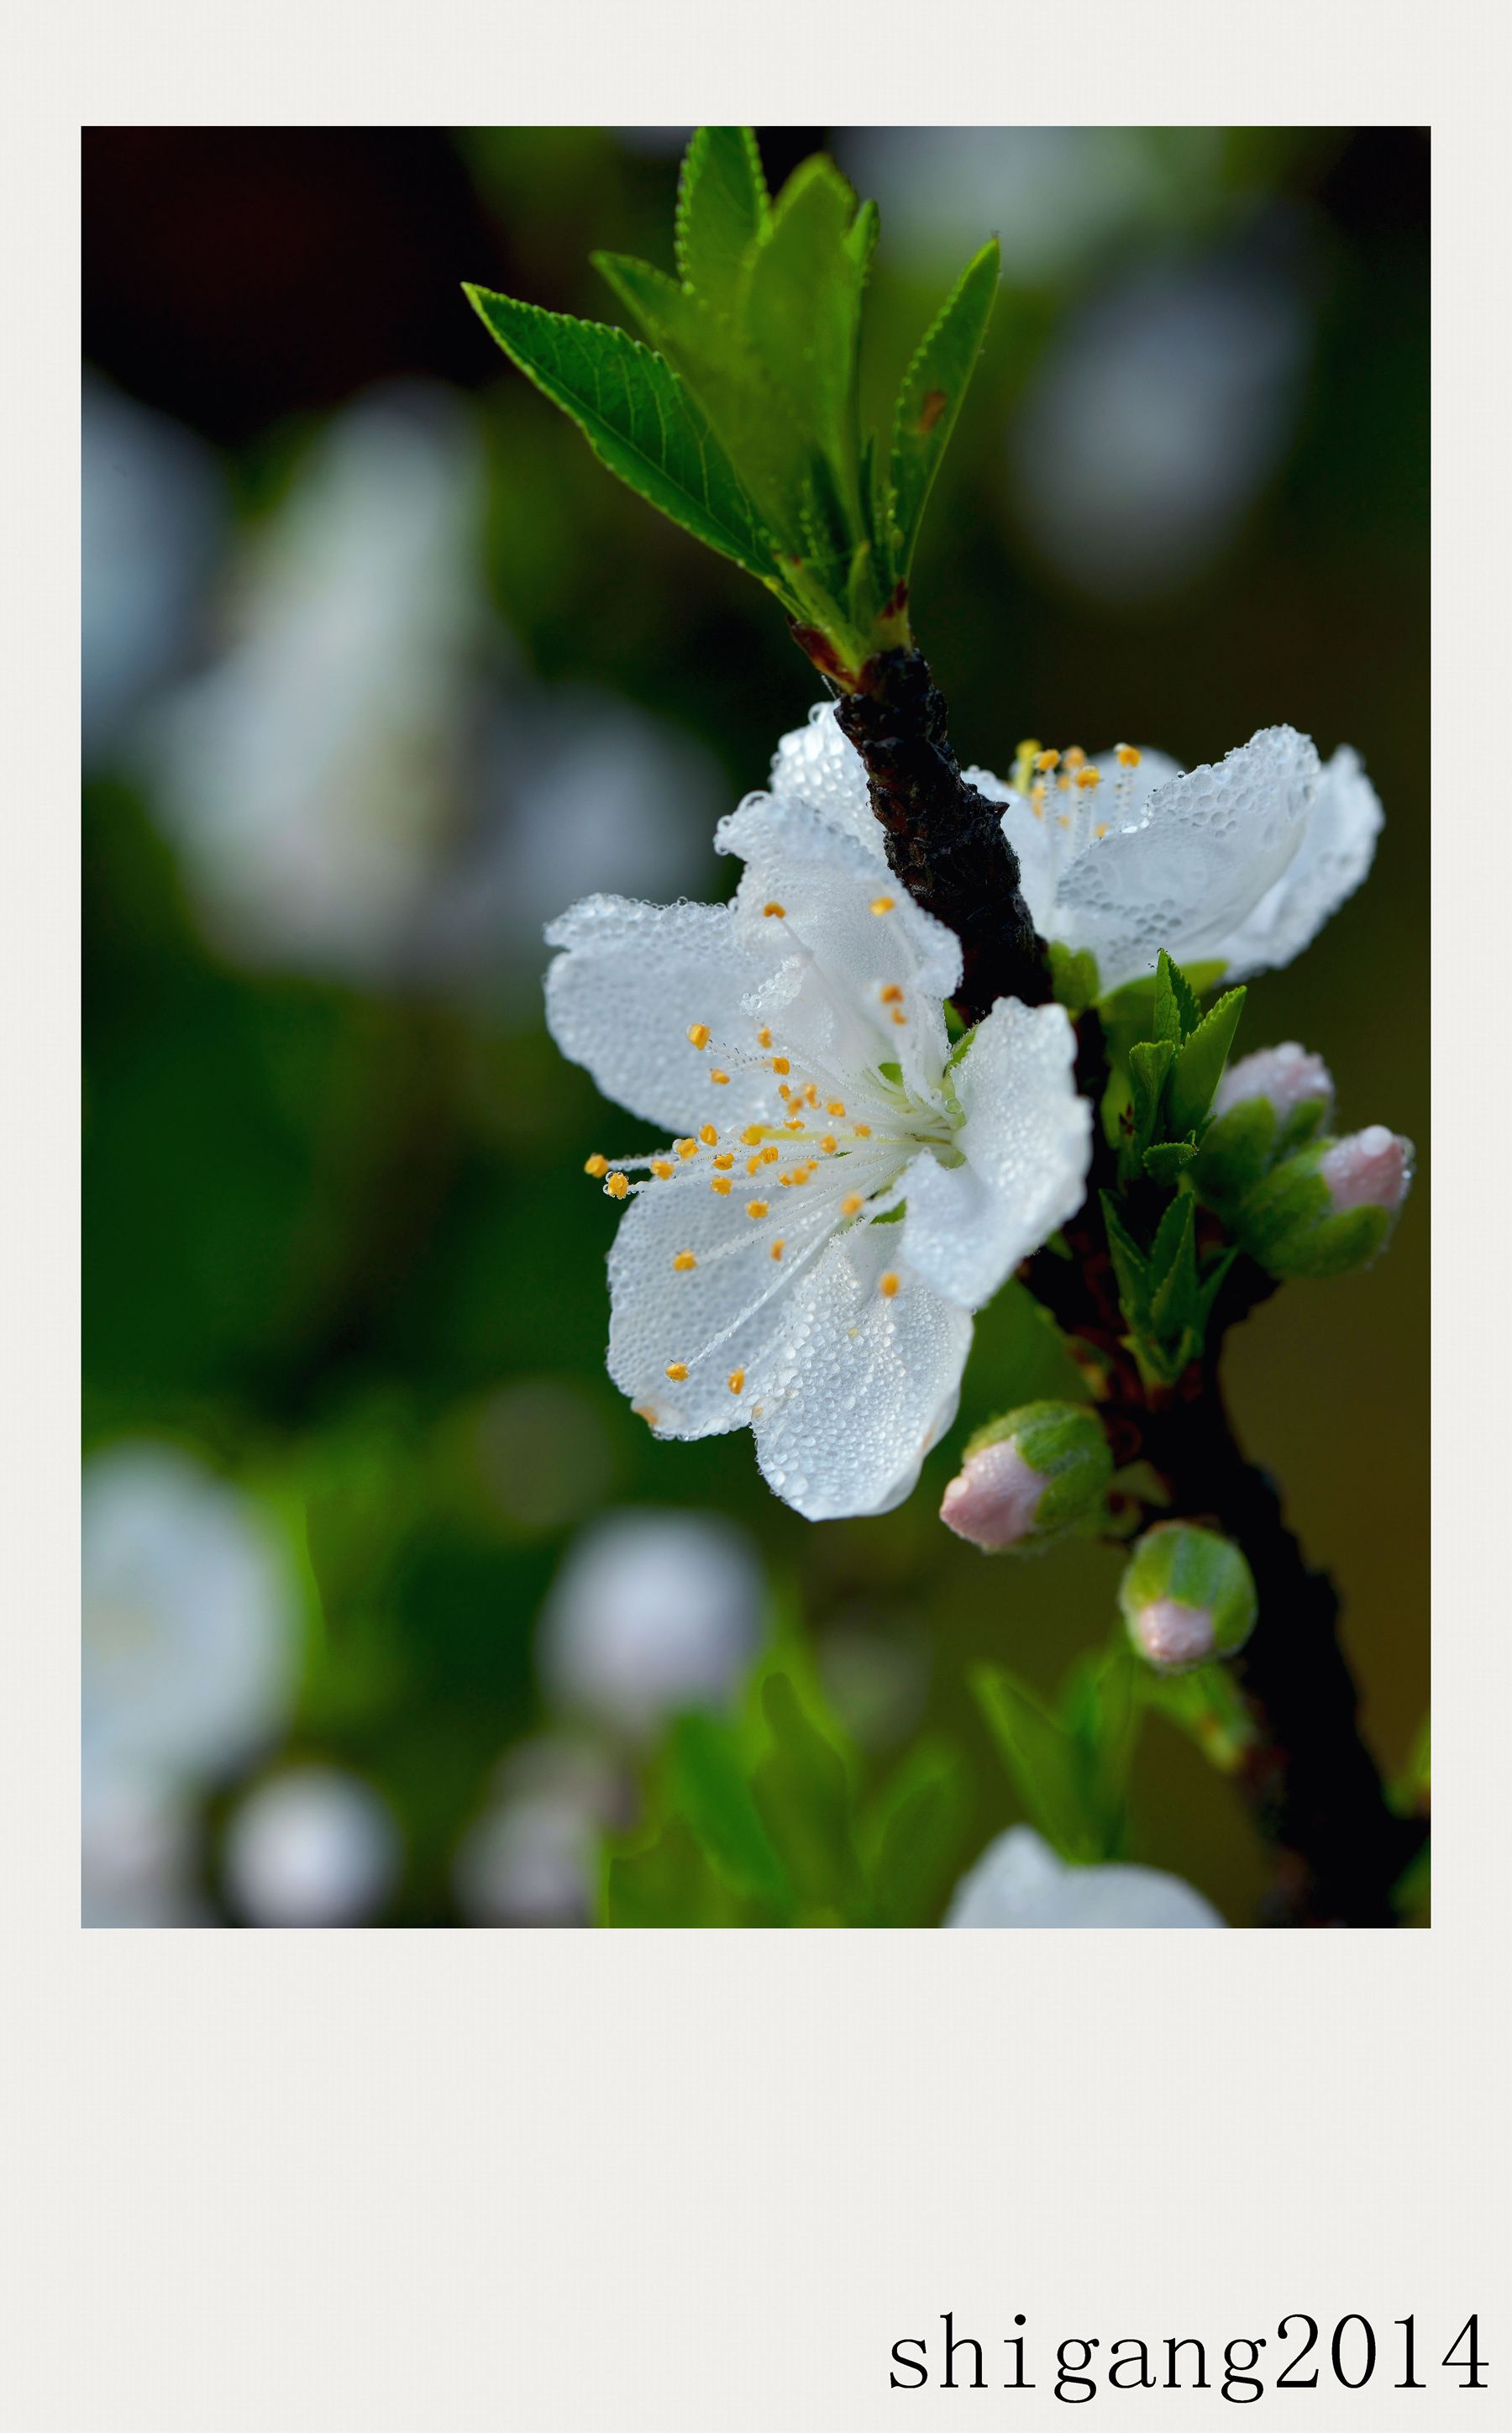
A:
{"points": [[531, 1857], [1238, 863], [311, 1847], [137, 1851], [650, 1612], [1018, 1880], [189, 1618], [795, 1039]]}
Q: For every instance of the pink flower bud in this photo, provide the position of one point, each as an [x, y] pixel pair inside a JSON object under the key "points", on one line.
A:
{"points": [[1369, 1169], [1173, 1634], [995, 1501], [1287, 1076]]}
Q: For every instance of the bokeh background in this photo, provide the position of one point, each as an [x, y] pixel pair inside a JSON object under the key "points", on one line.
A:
{"points": [[387, 1592]]}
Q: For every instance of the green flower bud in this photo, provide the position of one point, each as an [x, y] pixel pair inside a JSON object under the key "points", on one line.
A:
{"points": [[1330, 1207], [1186, 1596], [1029, 1476]]}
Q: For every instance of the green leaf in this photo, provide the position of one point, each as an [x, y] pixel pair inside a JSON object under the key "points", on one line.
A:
{"points": [[1200, 1063], [1131, 1266], [930, 398], [1208, 1706], [1174, 1302], [803, 1792], [662, 1878], [1100, 1708], [1177, 1011], [1163, 1160], [711, 1789], [913, 1834], [1043, 1759], [1073, 975], [801, 311], [1149, 1062], [639, 419], [721, 209]]}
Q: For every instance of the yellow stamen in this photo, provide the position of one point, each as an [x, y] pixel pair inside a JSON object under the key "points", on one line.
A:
{"points": [[811, 1094], [719, 1183], [782, 1065], [596, 1165], [751, 1135], [883, 903], [863, 1131], [756, 1208], [708, 1135], [685, 1147], [752, 1164], [829, 1144], [719, 1077], [1100, 830], [677, 1370], [893, 994], [770, 1153], [1075, 758], [725, 1161], [736, 1381], [901, 1019], [1037, 798], [1063, 818], [775, 912], [662, 1167], [617, 1187], [776, 1248], [1087, 778], [1045, 761], [1128, 755], [887, 1288], [837, 1106], [697, 1034], [684, 1260], [852, 1204], [1062, 781], [763, 1038]]}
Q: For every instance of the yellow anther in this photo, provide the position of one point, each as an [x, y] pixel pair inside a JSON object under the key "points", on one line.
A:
{"points": [[763, 1038], [752, 1164], [883, 903], [770, 1153], [617, 1187], [1063, 818], [685, 1147], [829, 1144], [1075, 758], [784, 1091], [782, 1065], [1045, 761], [775, 912], [1037, 798], [725, 1161], [795, 1123], [836, 1106], [708, 1135], [1087, 778], [677, 1370], [893, 994], [719, 1183], [684, 1260], [887, 1288], [811, 1094], [752, 1134], [899, 1017], [863, 1131], [719, 1077], [776, 1248], [852, 1204], [1100, 830], [1062, 781], [661, 1167], [596, 1165], [697, 1034], [756, 1208], [1127, 754], [736, 1381]]}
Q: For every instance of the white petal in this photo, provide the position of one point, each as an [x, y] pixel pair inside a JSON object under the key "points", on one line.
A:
{"points": [[621, 996], [846, 952], [1028, 1141], [1195, 863], [723, 1315], [816, 765], [1332, 859], [1019, 1882], [867, 1385]]}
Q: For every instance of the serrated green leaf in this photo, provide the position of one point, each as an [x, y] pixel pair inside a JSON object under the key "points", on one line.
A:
{"points": [[1211, 1286], [930, 398], [721, 209], [714, 1795], [1131, 1266], [1173, 1306], [801, 308], [1200, 1064], [1043, 1759], [1177, 1011], [1165, 1160], [1175, 1225], [913, 1834], [1149, 1063], [639, 419]]}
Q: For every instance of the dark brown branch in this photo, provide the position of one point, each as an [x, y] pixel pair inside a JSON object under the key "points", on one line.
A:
{"points": [[944, 841]]}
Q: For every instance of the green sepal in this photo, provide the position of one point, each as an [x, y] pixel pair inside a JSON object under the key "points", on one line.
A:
{"points": [[1237, 1152]]}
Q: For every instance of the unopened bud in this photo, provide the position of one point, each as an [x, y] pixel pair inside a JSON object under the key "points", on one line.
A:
{"points": [[1029, 1475], [1186, 1596], [1287, 1077], [1330, 1207]]}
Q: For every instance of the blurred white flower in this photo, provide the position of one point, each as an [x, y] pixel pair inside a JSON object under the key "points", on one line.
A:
{"points": [[311, 1847], [650, 1612], [310, 777], [137, 1851], [189, 1627], [153, 523], [1238, 862], [531, 1859], [1055, 196], [1018, 1880], [798, 1036], [1154, 420]]}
